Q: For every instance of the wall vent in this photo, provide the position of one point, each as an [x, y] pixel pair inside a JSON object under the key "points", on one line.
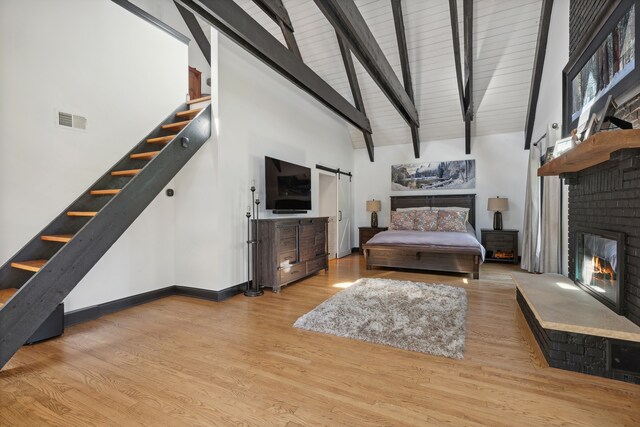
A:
{"points": [[74, 121], [65, 119]]}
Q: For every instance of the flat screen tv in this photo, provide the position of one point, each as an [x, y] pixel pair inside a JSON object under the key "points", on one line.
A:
{"points": [[288, 186]]}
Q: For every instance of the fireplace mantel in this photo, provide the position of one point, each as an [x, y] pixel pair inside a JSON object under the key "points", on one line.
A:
{"points": [[595, 150]]}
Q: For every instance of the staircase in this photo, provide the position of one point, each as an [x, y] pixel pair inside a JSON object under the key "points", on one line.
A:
{"points": [[38, 278]]}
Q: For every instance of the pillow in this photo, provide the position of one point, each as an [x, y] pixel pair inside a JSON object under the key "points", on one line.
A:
{"points": [[453, 208], [451, 221], [402, 220], [426, 221], [423, 208]]}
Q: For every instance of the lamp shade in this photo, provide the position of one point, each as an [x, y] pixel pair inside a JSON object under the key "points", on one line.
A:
{"points": [[498, 205], [374, 206]]}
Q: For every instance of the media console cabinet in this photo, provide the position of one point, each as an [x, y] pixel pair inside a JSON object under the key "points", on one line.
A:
{"points": [[289, 249]]}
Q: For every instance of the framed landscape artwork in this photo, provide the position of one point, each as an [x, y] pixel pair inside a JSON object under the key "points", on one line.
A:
{"points": [[451, 175]]}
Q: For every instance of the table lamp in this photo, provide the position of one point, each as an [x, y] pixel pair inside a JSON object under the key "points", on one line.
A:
{"points": [[374, 206], [498, 206]]}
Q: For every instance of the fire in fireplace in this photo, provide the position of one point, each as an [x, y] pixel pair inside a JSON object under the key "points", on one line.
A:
{"points": [[599, 265]]}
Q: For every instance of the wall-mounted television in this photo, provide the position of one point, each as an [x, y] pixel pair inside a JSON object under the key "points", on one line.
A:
{"points": [[288, 186]]}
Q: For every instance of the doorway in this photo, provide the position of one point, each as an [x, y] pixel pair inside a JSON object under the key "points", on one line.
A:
{"points": [[329, 208]]}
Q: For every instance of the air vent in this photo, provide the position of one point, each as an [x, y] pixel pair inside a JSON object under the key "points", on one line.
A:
{"points": [[65, 119], [74, 121], [79, 122]]}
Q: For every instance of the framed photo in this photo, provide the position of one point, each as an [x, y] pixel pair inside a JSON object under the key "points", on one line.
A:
{"points": [[562, 146], [591, 124], [608, 65], [548, 156]]}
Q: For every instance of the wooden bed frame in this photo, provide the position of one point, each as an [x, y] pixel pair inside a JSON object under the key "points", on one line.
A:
{"points": [[418, 257]]}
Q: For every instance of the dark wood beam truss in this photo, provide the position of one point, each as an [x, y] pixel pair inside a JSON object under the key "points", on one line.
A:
{"points": [[468, 59], [275, 10], [196, 32], [355, 88], [231, 20], [346, 19], [465, 83], [398, 20], [538, 66]]}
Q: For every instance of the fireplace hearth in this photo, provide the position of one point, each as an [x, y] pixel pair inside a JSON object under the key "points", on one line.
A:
{"points": [[599, 263]]}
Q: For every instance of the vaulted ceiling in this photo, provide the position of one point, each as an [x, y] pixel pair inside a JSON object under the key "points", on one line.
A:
{"points": [[504, 44]]}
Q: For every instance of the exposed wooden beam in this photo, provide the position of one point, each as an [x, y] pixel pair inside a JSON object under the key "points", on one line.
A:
{"points": [[468, 56], [276, 11], [538, 67], [467, 135], [346, 19], [355, 89], [231, 20], [290, 39], [398, 20], [455, 36], [196, 32]]}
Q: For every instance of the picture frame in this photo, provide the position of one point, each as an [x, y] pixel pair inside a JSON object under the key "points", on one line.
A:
{"points": [[579, 73], [548, 156], [562, 146]]}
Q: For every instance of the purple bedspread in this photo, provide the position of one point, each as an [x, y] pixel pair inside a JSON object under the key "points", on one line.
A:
{"points": [[436, 241]]}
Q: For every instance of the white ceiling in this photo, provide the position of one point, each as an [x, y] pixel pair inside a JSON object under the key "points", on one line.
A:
{"points": [[505, 34]]}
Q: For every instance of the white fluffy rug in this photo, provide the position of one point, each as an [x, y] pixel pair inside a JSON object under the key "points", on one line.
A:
{"points": [[414, 316]]}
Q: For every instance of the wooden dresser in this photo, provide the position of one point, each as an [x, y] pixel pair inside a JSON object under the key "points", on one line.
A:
{"points": [[301, 242]]}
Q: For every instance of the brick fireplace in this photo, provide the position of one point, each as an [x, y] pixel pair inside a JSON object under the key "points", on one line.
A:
{"points": [[607, 197]]}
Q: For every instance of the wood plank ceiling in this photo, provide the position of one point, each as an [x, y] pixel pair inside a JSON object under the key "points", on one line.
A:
{"points": [[505, 34]]}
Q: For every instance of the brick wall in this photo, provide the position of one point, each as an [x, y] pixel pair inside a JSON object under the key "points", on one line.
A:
{"points": [[582, 15], [607, 197], [572, 351]]}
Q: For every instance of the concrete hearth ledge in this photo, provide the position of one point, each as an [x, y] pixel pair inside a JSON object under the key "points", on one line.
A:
{"points": [[561, 305]]}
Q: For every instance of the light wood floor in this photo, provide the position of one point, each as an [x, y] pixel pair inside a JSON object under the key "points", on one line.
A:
{"points": [[183, 361]]}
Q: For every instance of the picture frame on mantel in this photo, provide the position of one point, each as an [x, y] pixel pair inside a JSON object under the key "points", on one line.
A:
{"points": [[583, 83]]}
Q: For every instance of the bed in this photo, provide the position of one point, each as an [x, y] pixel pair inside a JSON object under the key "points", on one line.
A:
{"points": [[457, 252]]}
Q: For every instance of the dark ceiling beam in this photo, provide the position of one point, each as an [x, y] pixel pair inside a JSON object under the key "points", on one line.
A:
{"points": [[538, 67], [231, 20], [467, 11], [468, 56], [398, 20], [196, 32], [275, 10], [455, 35], [346, 19], [355, 89]]}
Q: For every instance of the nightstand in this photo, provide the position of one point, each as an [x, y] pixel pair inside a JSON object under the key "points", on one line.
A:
{"points": [[368, 232], [501, 245]]}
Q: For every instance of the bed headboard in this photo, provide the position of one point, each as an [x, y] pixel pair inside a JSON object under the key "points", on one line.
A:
{"points": [[437, 201]]}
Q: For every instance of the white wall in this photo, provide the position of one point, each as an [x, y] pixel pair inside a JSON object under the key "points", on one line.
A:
{"points": [[69, 55], [260, 113], [167, 12], [500, 171], [550, 99]]}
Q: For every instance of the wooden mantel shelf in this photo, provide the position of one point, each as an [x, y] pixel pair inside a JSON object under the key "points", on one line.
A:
{"points": [[595, 150]]}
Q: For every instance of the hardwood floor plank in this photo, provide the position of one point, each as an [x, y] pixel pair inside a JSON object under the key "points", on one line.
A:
{"points": [[242, 362]]}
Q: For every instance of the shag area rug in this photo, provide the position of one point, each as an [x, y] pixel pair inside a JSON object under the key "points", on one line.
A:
{"points": [[414, 316]]}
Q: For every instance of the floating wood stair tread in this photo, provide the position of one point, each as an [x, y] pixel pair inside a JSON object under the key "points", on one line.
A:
{"points": [[188, 113], [145, 156], [595, 150], [107, 192], [33, 266], [161, 139], [61, 238], [130, 172], [176, 125], [202, 99], [75, 213], [5, 294]]}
